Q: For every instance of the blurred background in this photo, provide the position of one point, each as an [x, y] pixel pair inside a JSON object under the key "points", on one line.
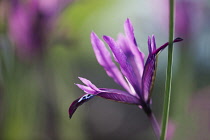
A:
{"points": [[45, 46]]}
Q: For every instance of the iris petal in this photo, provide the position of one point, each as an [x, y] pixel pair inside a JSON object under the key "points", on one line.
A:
{"points": [[88, 83], [129, 31], [78, 102], [150, 67], [111, 94], [139, 56], [123, 60], [119, 96], [139, 77], [149, 76], [157, 51], [104, 58]]}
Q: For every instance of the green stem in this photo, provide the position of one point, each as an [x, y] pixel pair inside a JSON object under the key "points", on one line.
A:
{"points": [[167, 95]]}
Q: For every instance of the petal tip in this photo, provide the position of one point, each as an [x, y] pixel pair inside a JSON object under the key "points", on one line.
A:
{"points": [[178, 39], [93, 35], [127, 21], [108, 38], [72, 109], [78, 102], [153, 36], [82, 79]]}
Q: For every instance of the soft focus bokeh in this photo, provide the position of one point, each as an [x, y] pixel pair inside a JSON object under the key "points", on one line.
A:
{"points": [[45, 46]]}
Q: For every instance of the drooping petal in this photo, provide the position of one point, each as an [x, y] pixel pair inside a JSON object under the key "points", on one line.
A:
{"points": [[111, 94], [104, 58], [157, 51], [78, 102], [118, 96]]}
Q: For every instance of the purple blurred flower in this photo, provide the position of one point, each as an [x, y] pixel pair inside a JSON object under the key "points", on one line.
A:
{"points": [[30, 24], [135, 76], [186, 22]]}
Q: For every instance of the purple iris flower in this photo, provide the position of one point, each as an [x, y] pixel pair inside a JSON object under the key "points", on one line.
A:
{"points": [[134, 74]]}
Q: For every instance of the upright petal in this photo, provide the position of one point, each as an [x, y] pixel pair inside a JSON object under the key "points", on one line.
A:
{"points": [[130, 49], [104, 58], [129, 31], [151, 44], [149, 70], [125, 62], [150, 67], [139, 56], [134, 56], [149, 76]]}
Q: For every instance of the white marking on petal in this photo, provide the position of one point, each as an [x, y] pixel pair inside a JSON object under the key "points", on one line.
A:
{"points": [[132, 90], [85, 97]]}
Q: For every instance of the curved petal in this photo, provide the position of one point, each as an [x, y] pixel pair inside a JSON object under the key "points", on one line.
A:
{"points": [[104, 58], [119, 96], [157, 51], [78, 102], [111, 94], [150, 67]]}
